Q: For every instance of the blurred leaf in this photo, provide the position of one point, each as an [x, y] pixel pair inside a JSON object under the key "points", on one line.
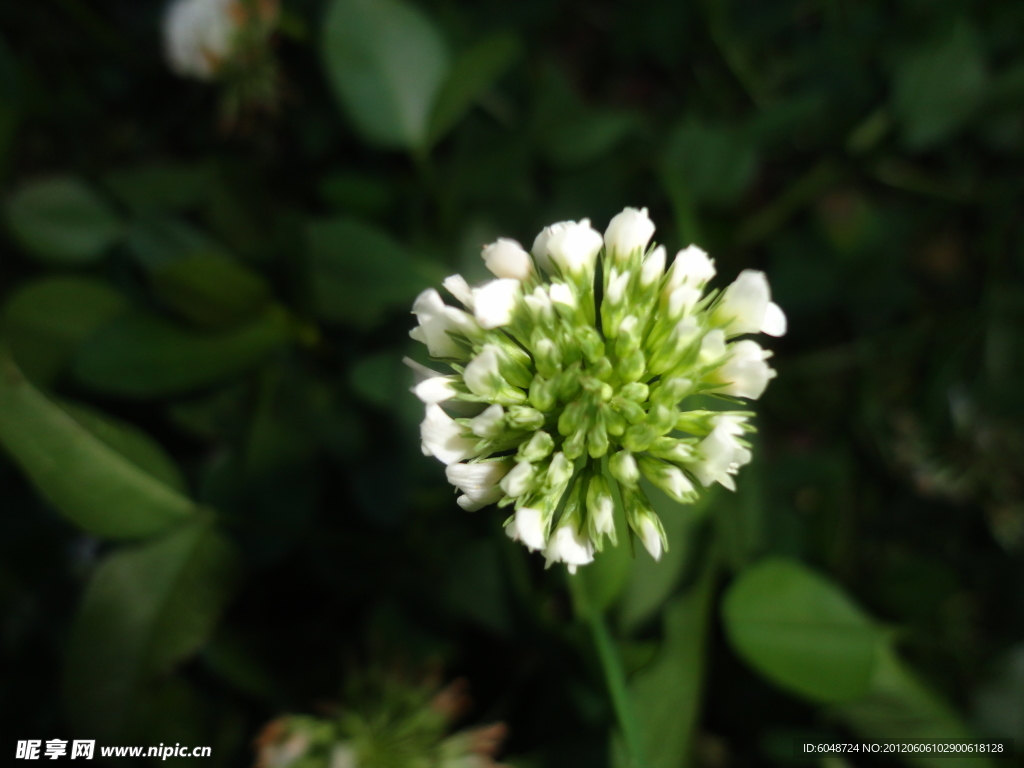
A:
{"points": [[898, 707], [386, 62], [709, 163], [62, 220], [147, 608], [144, 356], [351, 192], [473, 72], [211, 291], [160, 186], [801, 631], [652, 582], [160, 240], [47, 318], [667, 694], [81, 474], [129, 441], [588, 138], [938, 88], [358, 273]]}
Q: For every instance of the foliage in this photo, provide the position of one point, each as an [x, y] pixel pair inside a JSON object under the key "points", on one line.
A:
{"points": [[215, 501]]}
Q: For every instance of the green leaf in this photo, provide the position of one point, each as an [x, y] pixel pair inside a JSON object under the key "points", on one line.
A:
{"points": [[472, 74], [588, 137], [210, 290], [160, 186], [938, 88], [63, 221], [146, 609], [157, 241], [386, 62], [801, 631], [83, 475], [358, 273], [46, 319], [129, 441], [709, 163], [898, 707], [667, 694], [144, 356]]}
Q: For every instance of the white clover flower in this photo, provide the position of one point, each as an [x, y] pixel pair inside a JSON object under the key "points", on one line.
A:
{"points": [[201, 35], [506, 258], [565, 376]]}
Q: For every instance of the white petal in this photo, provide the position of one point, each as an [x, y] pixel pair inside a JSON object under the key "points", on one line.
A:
{"points": [[574, 246], [436, 389], [568, 546], [692, 267], [442, 437], [495, 302], [483, 375], [654, 267], [628, 231], [651, 537], [435, 322], [506, 258], [479, 480], [774, 323], [457, 286], [528, 527], [198, 35], [490, 423], [562, 294], [420, 371], [744, 303], [519, 480]]}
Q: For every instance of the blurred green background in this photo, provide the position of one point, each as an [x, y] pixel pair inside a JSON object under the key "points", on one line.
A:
{"points": [[215, 509]]}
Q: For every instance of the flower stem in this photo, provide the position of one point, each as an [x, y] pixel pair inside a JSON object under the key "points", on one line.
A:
{"points": [[614, 674]]}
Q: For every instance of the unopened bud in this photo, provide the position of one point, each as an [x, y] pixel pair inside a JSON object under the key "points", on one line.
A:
{"points": [[525, 418], [538, 448], [490, 423], [572, 418], [668, 478], [639, 436], [543, 393], [597, 440], [623, 467], [547, 356], [520, 480], [601, 509]]}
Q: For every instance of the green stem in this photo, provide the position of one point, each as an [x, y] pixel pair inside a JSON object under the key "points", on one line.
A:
{"points": [[614, 674]]}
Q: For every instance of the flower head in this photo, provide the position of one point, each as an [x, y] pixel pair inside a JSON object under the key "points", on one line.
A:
{"points": [[579, 360], [200, 36]]}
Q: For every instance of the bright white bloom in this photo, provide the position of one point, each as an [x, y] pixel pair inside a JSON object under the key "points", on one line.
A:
{"points": [[528, 526], [723, 455], [745, 373], [590, 368], [435, 326], [506, 258], [443, 438], [494, 302], [627, 232], [436, 389], [651, 537], [478, 481], [691, 267], [568, 546], [198, 35], [746, 307], [457, 286], [571, 246]]}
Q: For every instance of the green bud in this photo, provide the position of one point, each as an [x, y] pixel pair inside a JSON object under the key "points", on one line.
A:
{"points": [[590, 343], [671, 391], [671, 479], [632, 411], [538, 447], [614, 421], [671, 449], [572, 418], [525, 418], [636, 391], [547, 355], [628, 341], [631, 368], [597, 440], [543, 393], [559, 472], [623, 467], [574, 444], [638, 437], [644, 522], [662, 419], [569, 383], [602, 369]]}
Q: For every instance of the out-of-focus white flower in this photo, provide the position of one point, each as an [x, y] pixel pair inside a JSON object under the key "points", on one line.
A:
{"points": [[435, 326], [198, 35], [572, 246], [746, 307], [691, 267], [506, 258], [436, 389], [528, 526], [478, 481], [721, 457], [650, 535], [562, 294], [457, 286], [654, 267], [566, 545], [494, 302], [443, 438], [745, 373], [628, 231]]}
